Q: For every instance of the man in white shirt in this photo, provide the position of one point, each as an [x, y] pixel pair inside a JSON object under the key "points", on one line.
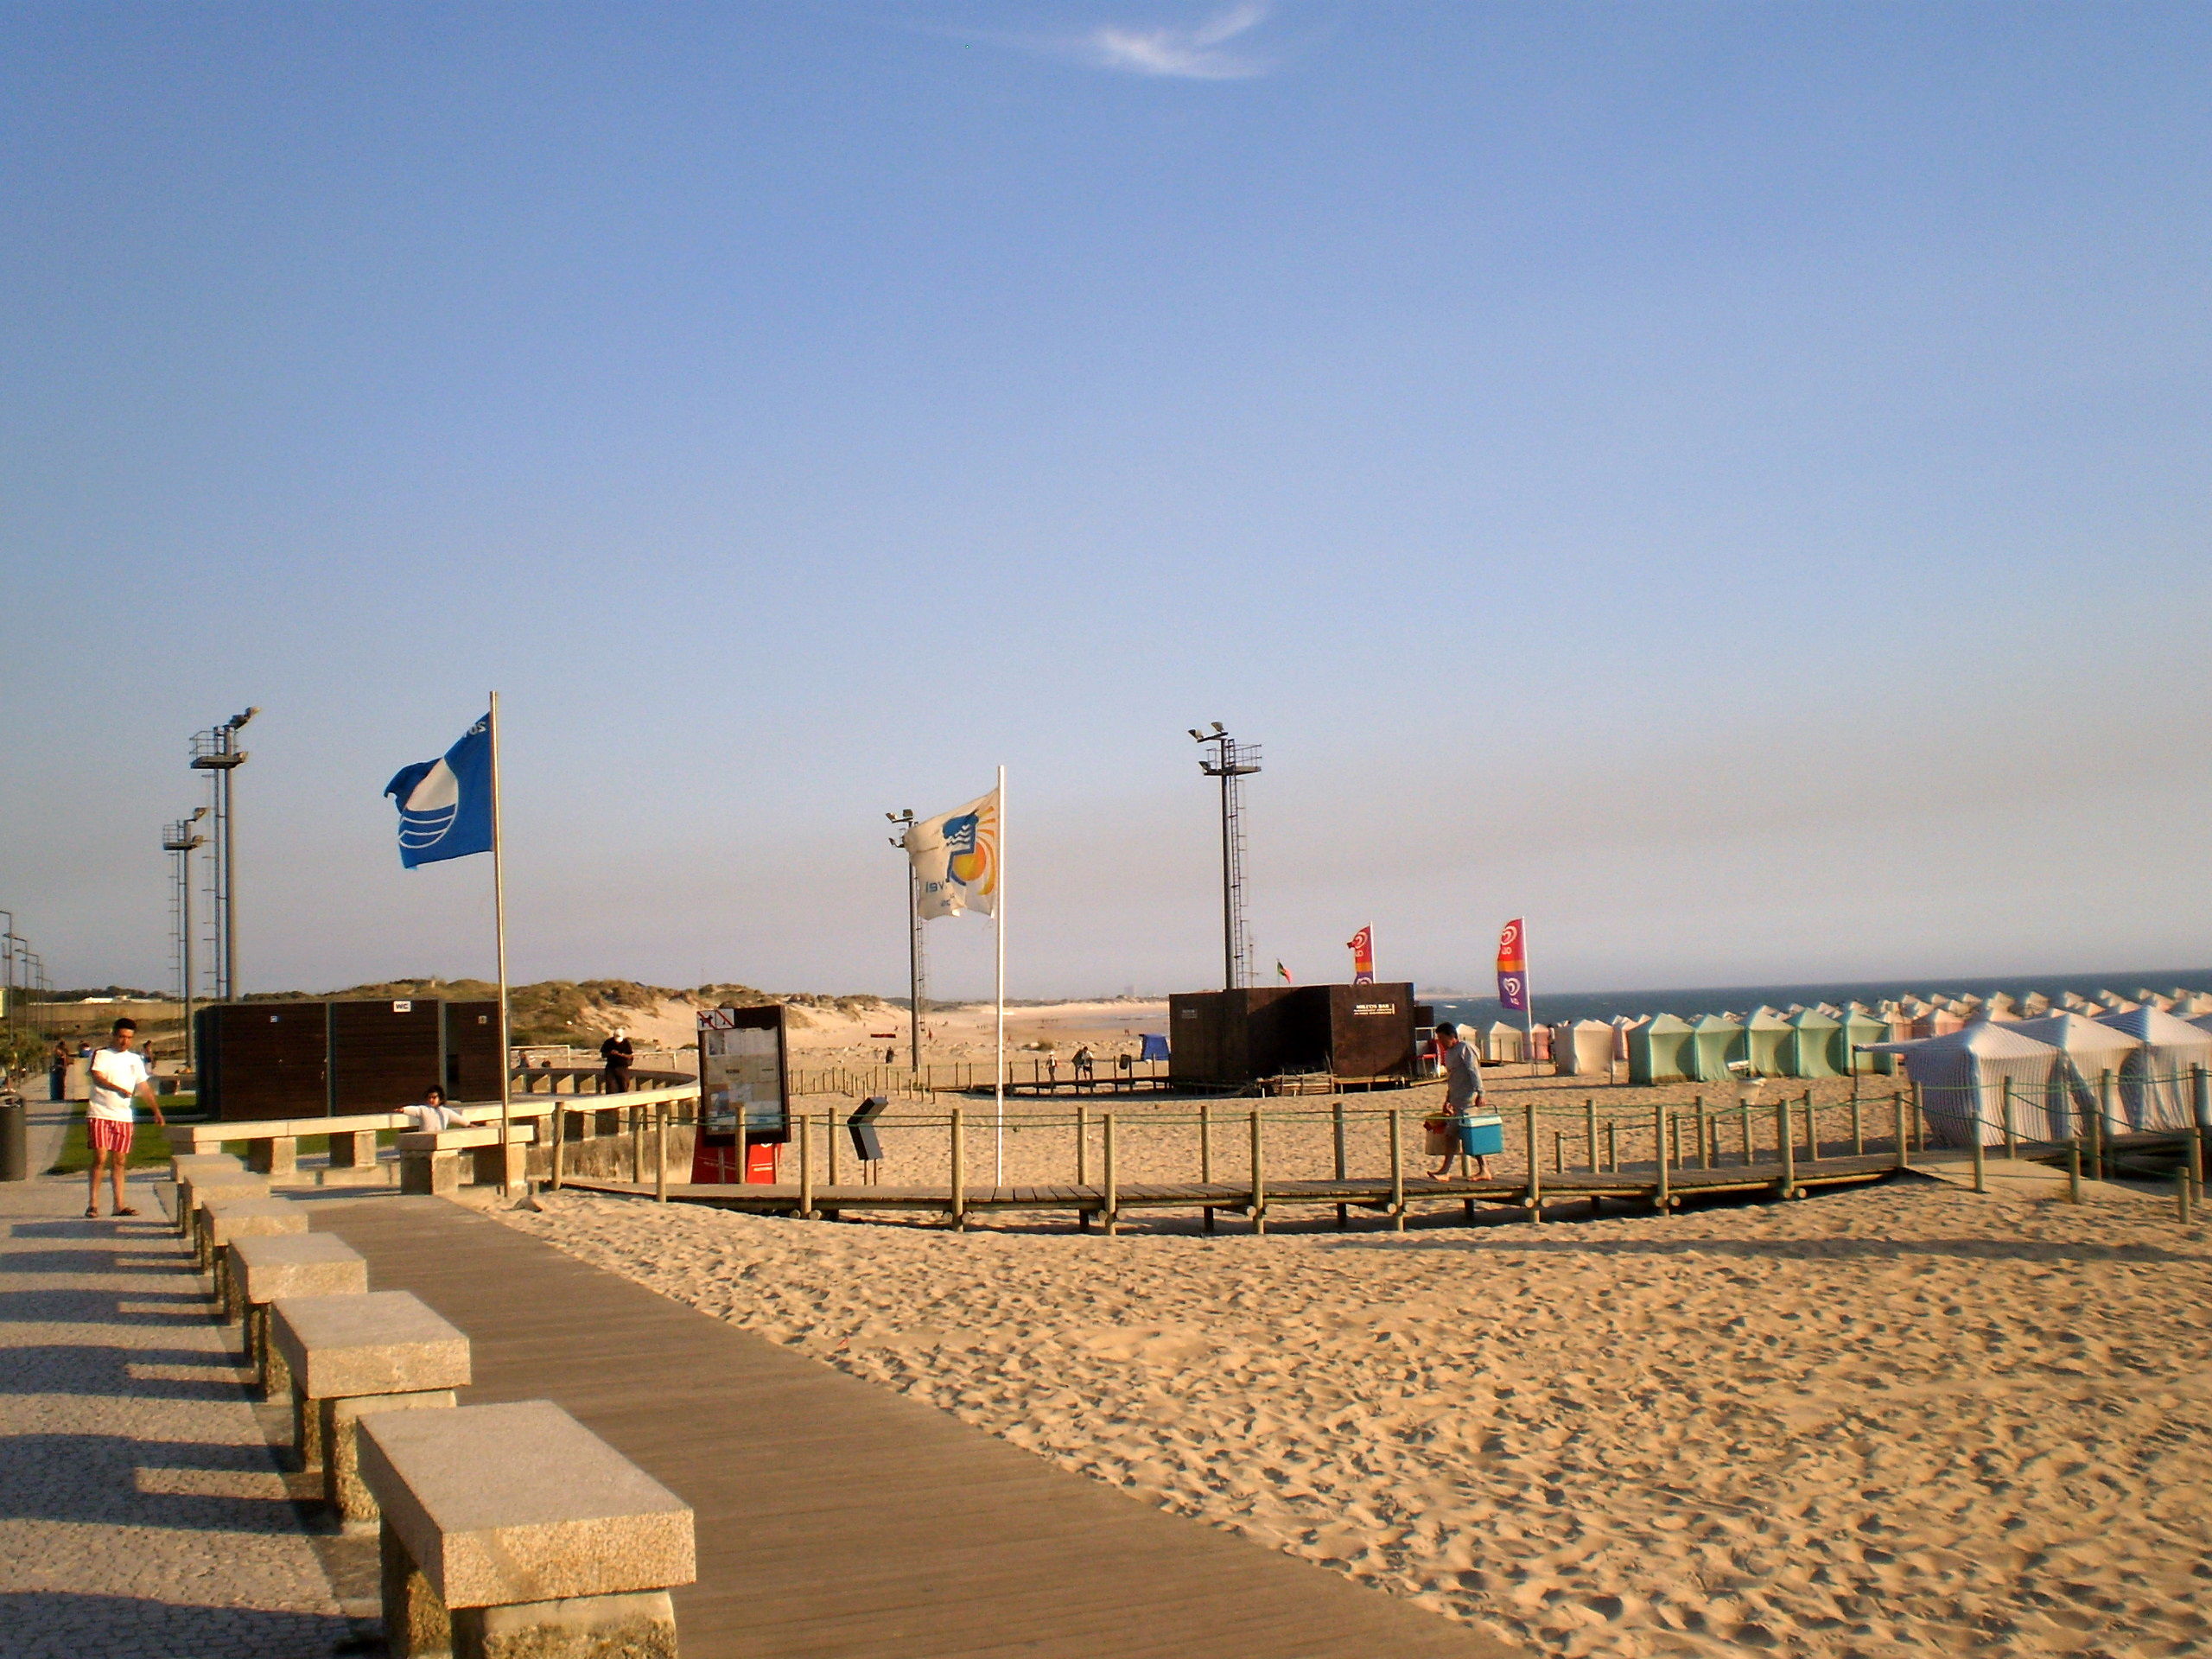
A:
{"points": [[119, 1078]]}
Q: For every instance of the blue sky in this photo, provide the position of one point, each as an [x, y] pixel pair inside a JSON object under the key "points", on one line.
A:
{"points": [[1727, 480]]}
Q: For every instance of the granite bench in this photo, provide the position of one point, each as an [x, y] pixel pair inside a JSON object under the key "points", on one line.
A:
{"points": [[223, 1218], [196, 1187], [349, 1356], [514, 1532], [270, 1266], [429, 1160]]}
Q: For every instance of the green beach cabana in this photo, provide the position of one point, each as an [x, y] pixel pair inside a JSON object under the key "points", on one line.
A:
{"points": [[1815, 1048], [1659, 1051], [1766, 1043], [1858, 1029], [1715, 1039]]}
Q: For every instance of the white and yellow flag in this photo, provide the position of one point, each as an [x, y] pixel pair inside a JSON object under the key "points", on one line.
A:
{"points": [[956, 859]]}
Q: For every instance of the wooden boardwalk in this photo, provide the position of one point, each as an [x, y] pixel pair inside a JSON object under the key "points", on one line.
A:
{"points": [[839, 1519], [1389, 1200]]}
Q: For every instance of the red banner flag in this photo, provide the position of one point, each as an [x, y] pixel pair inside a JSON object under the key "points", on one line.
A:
{"points": [[1362, 946], [1513, 966]]}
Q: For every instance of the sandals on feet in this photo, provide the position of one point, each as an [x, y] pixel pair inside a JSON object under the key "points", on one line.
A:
{"points": [[126, 1210], [92, 1212]]}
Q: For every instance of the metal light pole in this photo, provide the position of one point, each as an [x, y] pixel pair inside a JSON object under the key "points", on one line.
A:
{"points": [[8, 964], [906, 818], [216, 751], [1231, 761], [182, 839]]}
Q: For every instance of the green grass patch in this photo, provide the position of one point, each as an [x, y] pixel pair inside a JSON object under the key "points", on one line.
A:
{"points": [[150, 1149]]}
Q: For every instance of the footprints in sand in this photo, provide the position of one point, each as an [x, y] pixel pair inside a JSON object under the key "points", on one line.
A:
{"points": [[1896, 1421]]}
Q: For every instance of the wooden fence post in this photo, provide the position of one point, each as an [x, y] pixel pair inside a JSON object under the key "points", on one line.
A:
{"points": [[1613, 1146], [1083, 1146], [1750, 1157], [1590, 1123], [560, 1138], [1812, 1130], [806, 1166], [1858, 1122], [660, 1152], [1897, 1111], [1206, 1155], [1259, 1178], [2074, 1170], [1536, 1166], [1788, 1137], [1337, 1115], [2105, 1093], [1397, 1169], [1981, 1157], [1112, 1218], [1704, 1150], [830, 1126], [959, 1168], [1662, 1200], [636, 1146]]}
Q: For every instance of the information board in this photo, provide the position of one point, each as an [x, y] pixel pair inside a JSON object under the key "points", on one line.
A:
{"points": [[744, 1094]]}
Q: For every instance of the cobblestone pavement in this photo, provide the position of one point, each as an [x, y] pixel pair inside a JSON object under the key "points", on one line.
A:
{"points": [[142, 1511]]}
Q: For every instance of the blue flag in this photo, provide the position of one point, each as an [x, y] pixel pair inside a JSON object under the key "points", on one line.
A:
{"points": [[445, 806]]}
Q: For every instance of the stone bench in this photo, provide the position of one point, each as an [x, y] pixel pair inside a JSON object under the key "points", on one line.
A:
{"points": [[514, 1532], [224, 1217], [348, 1356], [271, 1266], [429, 1160], [195, 1187]]}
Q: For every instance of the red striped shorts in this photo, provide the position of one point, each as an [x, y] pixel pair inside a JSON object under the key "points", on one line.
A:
{"points": [[109, 1136]]}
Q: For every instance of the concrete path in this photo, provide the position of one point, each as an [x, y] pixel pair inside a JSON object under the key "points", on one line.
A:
{"points": [[141, 1509]]}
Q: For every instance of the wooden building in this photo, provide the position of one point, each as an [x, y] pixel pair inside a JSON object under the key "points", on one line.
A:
{"points": [[310, 1059], [1218, 1038]]}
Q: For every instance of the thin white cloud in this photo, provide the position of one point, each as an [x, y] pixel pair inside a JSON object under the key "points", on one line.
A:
{"points": [[1207, 51]]}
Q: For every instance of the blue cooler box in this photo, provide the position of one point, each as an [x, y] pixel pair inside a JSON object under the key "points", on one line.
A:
{"points": [[1482, 1137]]}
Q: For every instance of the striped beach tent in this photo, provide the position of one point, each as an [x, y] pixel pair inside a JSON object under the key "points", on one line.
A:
{"points": [[2155, 1084], [1766, 1043], [1964, 1076], [2088, 1050]]}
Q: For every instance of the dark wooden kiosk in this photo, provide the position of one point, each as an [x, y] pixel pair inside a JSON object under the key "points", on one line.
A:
{"points": [[1350, 1032], [263, 1060]]}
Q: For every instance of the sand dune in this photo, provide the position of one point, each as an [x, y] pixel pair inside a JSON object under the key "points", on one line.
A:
{"points": [[1895, 1421]]}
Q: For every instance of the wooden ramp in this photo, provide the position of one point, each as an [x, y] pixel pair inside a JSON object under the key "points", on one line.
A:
{"points": [[839, 1519]]}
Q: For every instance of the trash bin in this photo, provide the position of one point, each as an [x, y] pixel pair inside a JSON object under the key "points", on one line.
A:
{"points": [[15, 1141]]}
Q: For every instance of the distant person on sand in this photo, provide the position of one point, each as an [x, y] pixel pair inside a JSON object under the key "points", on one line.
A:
{"points": [[432, 1113], [118, 1079], [617, 1052], [57, 1072], [1463, 1093]]}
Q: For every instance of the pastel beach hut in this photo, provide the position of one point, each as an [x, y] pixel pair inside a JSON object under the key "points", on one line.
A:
{"points": [[1583, 1049], [1963, 1079], [1860, 1028], [2157, 1085], [1623, 1024], [1936, 1021], [1766, 1043], [1503, 1045], [1659, 1051], [1815, 1047], [1715, 1039], [2089, 1051]]}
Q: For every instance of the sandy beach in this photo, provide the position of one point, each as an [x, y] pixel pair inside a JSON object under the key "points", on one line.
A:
{"points": [[1893, 1421]]}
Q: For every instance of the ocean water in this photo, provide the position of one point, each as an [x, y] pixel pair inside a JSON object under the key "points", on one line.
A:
{"points": [[1741, 999]]}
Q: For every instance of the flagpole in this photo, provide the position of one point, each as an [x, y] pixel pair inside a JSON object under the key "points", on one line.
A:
{"points": [[500, 926], [1529, 1000], [998, 915]]}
